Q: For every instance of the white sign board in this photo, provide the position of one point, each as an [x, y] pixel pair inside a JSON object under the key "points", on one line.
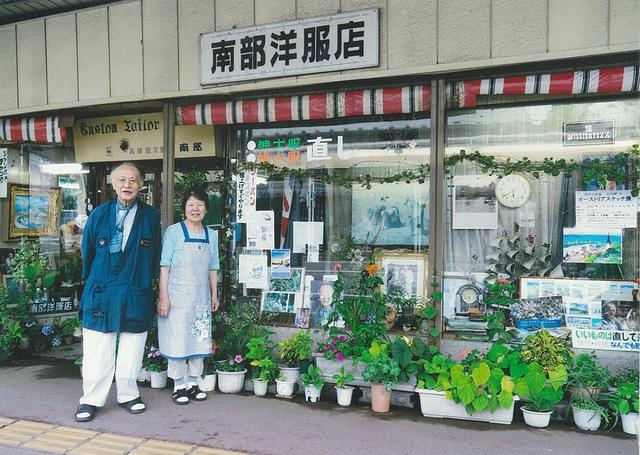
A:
{"points": [[610, 209], [4, 171], [246, 187], [260, 231], [315, 45]]}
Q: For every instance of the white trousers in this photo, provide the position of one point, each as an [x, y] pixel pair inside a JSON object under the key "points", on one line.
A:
{"points": [[177, 369], [99, 365]]}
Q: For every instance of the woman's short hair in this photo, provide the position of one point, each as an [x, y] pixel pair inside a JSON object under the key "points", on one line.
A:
{"points": [[196, 192]]}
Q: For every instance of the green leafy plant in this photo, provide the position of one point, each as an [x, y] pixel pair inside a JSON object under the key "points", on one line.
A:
{"points": [[406, 351], [236, 327], [435, 373], [154, 362], [296, 348], [546, 350], [264, 369], [589, 403], [313, 377], [625, 399], [379, 366], [232, 364], [544, 387], [586, 372], [629, 375], [341, 378], [497, 327], [68, 326]]}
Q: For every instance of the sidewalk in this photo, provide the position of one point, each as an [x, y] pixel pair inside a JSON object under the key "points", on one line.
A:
{"points": [[47, 391]]}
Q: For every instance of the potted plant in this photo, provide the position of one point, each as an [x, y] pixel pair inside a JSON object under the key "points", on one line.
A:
{"points": [[344, 392], [231, 374], [546, 350], [10, 328], [284, 386], [313, 383], [207, 382], [481, 387], [383, 372], [545, 390], [587, 376], [293, 351], [156, 365], [588, 413], [67, 328], [263, 368], [624, 402]]}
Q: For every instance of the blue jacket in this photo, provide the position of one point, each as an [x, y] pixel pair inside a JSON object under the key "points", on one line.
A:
{"points": [[118, 295]]}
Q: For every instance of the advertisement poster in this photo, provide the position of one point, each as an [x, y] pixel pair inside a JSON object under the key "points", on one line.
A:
{"points": [[260, 231], [253, 271], [604, 339], [307, 233], [606, 209], [592, 245]]}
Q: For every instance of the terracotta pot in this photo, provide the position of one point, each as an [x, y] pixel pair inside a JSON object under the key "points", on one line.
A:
{"points": [[586, 392], [380, 400], [391, 317]]}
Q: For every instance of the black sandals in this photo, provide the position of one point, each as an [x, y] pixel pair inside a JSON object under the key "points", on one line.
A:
{"points": [[180, 396], [85, 413], [196, 394], [129, 406]]}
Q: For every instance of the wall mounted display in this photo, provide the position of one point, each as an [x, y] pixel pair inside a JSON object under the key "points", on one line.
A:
{"points": [[302, 318], [474, 202], [391, 214], [538, 312], [33, 212], [13, 289], [404, 274], [321, 297], [606, 209], [592, 245]]}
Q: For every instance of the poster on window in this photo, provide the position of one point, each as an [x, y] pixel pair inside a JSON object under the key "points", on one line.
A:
{"points": [[606, 209], [260, 230], [253, 271], [592, 245], [391, 214], [474, 202]]}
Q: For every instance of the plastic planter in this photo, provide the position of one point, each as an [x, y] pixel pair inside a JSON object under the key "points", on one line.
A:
{"points": [[208, 383], [435, 404], [312, 393], [230, 381], [536, 419], [158, 379], [630, 423], [260, 387], [291, 373], [586, 419], [344, 395], [284, 388]]}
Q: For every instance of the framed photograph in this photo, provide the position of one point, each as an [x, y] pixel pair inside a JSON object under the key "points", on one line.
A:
{"points": [[404, 273], [391, 214], [278, 302], [33, 212], [321, 298], [302, 318], [474, 202], [292, 284]]}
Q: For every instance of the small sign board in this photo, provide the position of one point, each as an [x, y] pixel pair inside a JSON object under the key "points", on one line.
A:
{"points": [[588, 133], [53, 305]]}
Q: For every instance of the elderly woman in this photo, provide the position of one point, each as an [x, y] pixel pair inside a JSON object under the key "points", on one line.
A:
{"points": [[188, 293]]}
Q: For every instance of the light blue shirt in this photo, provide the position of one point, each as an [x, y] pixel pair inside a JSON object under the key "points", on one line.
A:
{"points": [[173, 244]]}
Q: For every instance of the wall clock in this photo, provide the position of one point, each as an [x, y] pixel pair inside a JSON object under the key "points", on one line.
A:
{"points": [[513, 190]]}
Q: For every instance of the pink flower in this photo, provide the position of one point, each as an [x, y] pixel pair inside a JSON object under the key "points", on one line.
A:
{"points": [[337, 267], [340, 356], [239, 359], [334, 350], [342, 338]]}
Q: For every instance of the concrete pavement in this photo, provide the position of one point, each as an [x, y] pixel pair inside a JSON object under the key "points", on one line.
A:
{"points": [[48, 392]]}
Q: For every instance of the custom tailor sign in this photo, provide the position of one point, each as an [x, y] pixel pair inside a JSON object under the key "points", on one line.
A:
{"points": [[588, 133], [315, 45]]}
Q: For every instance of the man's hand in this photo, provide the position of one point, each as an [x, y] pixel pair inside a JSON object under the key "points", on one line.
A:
{"points": [[163, 306], [214, 303]]}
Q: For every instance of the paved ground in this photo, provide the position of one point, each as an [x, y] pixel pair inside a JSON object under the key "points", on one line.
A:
{"points": [[48, 392]]}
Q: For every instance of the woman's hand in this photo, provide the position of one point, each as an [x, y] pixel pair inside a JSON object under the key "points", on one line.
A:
{"points": [[163, 306], [214, 303]]}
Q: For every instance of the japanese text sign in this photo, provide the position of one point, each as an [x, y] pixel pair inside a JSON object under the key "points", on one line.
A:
{"points": [[315, 45], [4, 171], [604, 339], [610, 209]]}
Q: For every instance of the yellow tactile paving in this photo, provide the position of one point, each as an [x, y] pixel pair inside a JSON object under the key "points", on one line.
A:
{"points": [[65, 440]]}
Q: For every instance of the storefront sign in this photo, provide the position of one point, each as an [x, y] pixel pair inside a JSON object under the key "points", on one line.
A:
{"points": [[194, 140], [246, 187], [588, 133], [287, 150], [321, 44], [121, 138], [53, 305], [4, 171], [605, 339], [610, 209]]}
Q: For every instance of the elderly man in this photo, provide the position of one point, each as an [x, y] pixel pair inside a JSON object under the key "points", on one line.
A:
{"points": [[121, 256]]}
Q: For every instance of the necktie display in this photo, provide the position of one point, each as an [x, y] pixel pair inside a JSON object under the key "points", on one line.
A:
{"points": [[115, 245]]}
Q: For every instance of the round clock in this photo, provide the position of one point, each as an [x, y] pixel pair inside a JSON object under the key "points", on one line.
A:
{"points": [[513, 190]]}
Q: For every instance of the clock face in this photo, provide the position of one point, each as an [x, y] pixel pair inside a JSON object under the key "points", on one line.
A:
{"points": [[469, 295], [513, 190]]}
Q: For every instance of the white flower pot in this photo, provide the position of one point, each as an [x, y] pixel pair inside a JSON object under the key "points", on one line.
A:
{"points": [[344, 395], [285, 388], [208, 383], [631, 423], [144, 375], [586, 419], [158, 379], [435, 404], [230, 381], [312, 393], [291, 373], [260, 387], [536, 419]]}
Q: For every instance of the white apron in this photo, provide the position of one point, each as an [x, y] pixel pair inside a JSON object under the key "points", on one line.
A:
{"points": [[186, 331]]}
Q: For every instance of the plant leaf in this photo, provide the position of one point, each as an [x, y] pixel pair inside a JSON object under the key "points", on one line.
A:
{"points": [[481, 374], [505, 399]]}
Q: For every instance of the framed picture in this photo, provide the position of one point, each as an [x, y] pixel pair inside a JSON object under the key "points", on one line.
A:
{"points": [[33, 212], [292, 284], [391, 214], [278, 302], [404, 273]]}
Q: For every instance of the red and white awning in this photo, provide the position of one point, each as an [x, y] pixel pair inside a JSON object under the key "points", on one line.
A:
{"points": [[601, 80], [33, 129], [396, 100]]}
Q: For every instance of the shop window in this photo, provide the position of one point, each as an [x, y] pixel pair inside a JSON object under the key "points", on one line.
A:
{"points": [[541, 201], [317, 201], [44, 214]]}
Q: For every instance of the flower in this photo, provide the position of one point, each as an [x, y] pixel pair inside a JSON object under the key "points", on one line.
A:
{"points": [[47, 330], [214, 348], [342, 338], [340, 356], [337, 267], [372, 269], [239, 359]]}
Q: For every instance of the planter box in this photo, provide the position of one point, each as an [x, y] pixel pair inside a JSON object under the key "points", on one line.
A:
{"points": [[435, 404]]}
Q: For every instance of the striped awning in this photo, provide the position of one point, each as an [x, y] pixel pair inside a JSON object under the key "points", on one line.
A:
{"points": [[32, 129], [396, 100], [600, 80]]}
